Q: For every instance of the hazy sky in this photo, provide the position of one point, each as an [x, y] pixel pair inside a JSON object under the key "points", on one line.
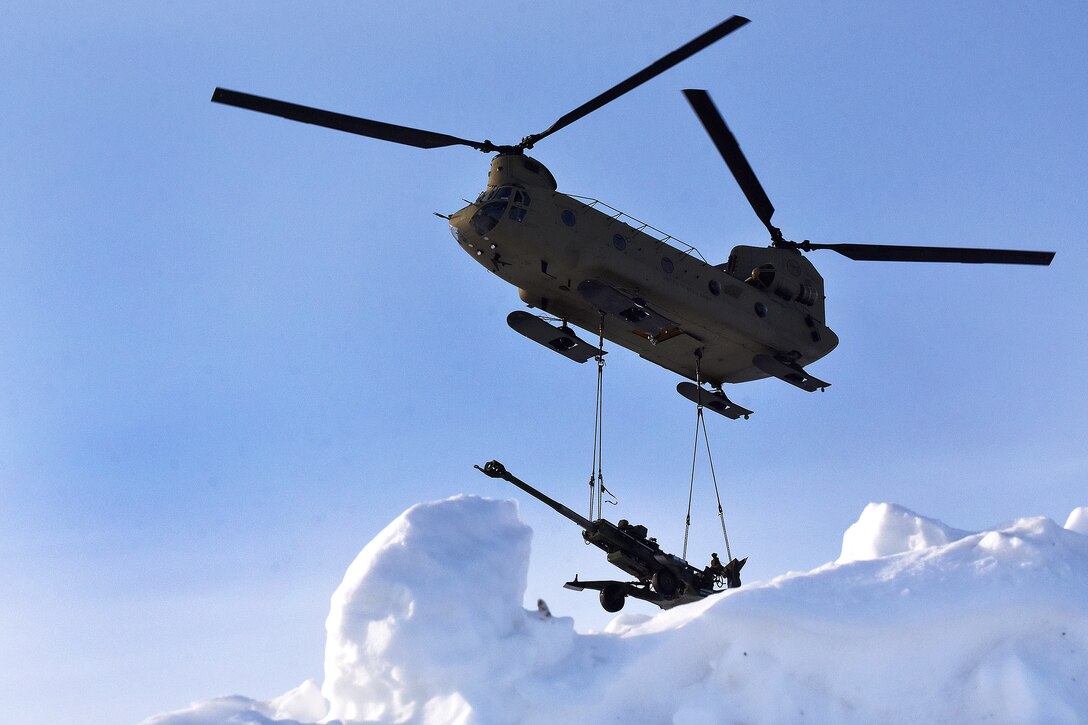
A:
{"points": [[235, 347]]}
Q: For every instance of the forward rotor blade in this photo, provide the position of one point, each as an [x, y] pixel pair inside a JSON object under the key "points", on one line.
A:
{"points": [[888, 253], [657, 68], [730, 150], [341, 122]]}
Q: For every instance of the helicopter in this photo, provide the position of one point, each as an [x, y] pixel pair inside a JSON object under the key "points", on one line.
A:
{"points": [[581, 262]]}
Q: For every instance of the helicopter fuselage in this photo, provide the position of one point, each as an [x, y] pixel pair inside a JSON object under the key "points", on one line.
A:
{"points": [[760, 314], [547, 244]]}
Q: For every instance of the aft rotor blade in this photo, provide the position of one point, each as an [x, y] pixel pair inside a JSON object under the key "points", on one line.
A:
{"points": [[888, 253], [657, 68], [341, 122], [730, 150]]}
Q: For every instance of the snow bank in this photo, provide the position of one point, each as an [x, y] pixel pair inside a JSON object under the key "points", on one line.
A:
{"points": [[1078, 520], [428, 620], [304, 703], [914, 622], [885, 529]]}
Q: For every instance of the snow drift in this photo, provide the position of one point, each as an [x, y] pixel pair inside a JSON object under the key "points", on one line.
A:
{"points": [[915, 621]]}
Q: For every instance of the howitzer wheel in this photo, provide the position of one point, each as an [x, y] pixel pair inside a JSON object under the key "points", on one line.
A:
{"points": [[613, 598], [665, 583]]}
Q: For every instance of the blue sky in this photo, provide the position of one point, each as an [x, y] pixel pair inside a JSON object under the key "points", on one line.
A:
{"points": [[235, 347]]}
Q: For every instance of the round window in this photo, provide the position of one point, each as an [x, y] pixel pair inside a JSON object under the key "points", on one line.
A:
{"points": [[568, 217], [715, 287], [619, 242], [761, 309], [666, 264]]}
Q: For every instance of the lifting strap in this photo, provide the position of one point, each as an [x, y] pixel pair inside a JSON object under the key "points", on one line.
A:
{"points": [[597, 488], [700, 422]]}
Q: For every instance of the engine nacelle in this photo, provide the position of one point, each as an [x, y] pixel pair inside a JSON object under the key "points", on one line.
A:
{"points": [[784, 273]]}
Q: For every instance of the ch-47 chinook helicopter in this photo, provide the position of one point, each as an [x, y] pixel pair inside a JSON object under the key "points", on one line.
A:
{"points": [[758, 315]]}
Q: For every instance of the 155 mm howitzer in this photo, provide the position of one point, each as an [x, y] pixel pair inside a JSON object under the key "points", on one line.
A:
{"points": [[663, 579]]}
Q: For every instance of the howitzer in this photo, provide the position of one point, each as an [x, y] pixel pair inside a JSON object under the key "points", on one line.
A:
{"points": [[663, 579]]}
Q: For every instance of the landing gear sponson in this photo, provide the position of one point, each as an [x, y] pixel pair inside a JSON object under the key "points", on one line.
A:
{"points": [[712, 400], [634, 312], [561, 339], [789, 371]]}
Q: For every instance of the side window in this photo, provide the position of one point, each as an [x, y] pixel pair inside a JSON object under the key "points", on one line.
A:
{"points": [[517, 208]]}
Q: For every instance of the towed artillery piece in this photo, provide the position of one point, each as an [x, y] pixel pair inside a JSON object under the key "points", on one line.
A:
{"points": [[663, 579]]}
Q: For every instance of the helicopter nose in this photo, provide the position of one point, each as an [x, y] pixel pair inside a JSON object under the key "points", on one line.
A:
{"points": [[463, 234], [459, 227]]}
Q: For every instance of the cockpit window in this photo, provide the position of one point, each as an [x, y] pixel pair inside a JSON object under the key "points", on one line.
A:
{"points": [[493, 205], [503, 193], [518, 205], [487, 216]]}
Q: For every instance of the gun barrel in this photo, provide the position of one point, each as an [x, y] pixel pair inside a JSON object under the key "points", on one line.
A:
{"points": [[494, 469]]}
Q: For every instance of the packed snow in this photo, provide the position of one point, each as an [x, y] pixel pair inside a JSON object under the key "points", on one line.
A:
{"points": [[1078, 520], [914, 622]]}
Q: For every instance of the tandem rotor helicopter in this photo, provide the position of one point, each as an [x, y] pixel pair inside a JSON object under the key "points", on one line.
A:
{"points": [[580, 262]]}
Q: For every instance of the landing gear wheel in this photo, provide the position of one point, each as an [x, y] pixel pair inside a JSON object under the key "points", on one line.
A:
{"points": [[613, 598], [665, 583]]}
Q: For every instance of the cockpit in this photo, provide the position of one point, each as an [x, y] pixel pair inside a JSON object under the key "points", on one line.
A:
{"points": [[494, 204]]}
